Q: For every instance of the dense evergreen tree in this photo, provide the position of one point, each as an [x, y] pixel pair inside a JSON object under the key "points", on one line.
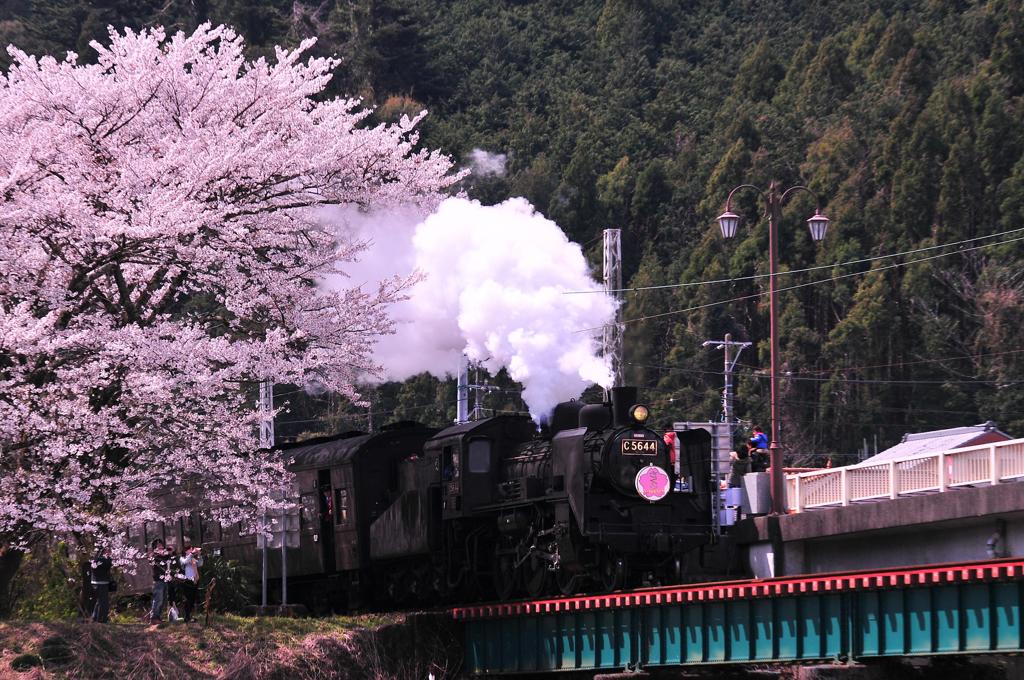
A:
{"points": [[642, 114]]}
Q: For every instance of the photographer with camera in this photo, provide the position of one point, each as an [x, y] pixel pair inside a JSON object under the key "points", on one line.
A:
{"points": [[160, 557], [188, 585], [102, 585]]}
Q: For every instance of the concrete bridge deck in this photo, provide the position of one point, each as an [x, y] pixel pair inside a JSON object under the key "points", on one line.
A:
{"points": [[960, 525]]}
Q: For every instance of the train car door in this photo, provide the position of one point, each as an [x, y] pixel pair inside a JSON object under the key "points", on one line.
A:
{"points": [[451, 479], [346, 536], [310, 557], [325, 501]]}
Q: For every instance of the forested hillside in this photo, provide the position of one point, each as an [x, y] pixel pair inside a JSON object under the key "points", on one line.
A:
{"points": [[907, 118]]}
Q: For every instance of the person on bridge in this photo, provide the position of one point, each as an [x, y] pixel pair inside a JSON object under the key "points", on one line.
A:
{"points": [[740, 464], [759, 439]]}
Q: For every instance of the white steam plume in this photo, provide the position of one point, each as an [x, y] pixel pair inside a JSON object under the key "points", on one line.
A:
{"points": [[484, 163], [494, 288]]}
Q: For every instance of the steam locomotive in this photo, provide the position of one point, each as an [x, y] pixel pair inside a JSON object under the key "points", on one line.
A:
{"points": [[596, 501]]}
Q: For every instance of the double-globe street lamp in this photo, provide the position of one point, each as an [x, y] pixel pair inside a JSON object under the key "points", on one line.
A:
{"points": [[774, 198]]}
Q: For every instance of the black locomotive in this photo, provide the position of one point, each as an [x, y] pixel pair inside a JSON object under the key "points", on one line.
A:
{"points": [[492, 508]]}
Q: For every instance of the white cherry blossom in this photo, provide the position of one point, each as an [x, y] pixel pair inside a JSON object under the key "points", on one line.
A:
{"points": [[159, 255]]}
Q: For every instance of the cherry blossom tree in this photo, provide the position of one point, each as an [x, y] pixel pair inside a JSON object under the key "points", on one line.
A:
{"points": [[159, 255]]}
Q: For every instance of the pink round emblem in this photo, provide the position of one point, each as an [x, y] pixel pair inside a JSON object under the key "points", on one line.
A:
{"points": [[652, 483]]}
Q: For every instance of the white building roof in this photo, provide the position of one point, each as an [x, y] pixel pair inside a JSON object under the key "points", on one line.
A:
{"points": [[934, 441]]}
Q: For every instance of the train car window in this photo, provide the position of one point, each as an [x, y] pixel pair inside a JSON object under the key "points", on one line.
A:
{"points": [[448, 465], [137, 535], [172, 534], [154, 530], [341, 509], [191, 529], [309, 510], [480, 456]]}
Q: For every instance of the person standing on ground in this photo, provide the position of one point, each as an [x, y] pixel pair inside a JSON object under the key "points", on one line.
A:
{"points": [[189, 584], [158, 556], [174, 577], [100, 580]]}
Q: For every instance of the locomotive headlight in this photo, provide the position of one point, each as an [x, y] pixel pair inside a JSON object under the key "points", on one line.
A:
{"points": [[639, 414]]}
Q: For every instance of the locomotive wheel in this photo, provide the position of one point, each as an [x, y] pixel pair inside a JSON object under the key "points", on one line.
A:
{"points": [[676, 570], [420, 580], [536, 576], [567, 582], [400, 586], [505, 576], [612, 572], [438, 582]]}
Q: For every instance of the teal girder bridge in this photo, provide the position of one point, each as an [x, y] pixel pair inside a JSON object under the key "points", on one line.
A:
{"points": [[970, 608]]}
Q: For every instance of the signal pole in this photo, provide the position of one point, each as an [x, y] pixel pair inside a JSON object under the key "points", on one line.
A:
{"points": [[266, 443], [462, 392], [369, 412], [463, 414], [266, 414], [730, 365]]}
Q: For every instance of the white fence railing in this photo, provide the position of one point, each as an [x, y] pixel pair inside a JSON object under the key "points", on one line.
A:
{"points": [[932, 472]]}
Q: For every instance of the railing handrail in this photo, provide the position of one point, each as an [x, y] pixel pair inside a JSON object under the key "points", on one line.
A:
{"points": [[914, 456], [892, 471]]}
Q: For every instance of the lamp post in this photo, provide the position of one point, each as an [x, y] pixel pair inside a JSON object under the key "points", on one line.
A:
{"points": [[774, 198]]}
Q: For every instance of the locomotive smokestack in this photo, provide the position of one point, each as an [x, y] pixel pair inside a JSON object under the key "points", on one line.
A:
{"points": [[622, 398]]}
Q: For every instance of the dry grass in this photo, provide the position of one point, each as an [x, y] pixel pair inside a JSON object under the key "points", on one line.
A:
{"points": [[233, 648]]}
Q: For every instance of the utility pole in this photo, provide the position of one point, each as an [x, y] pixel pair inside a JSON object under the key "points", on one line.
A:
{"points": [[266, 443], [462, 392], [612, 339], [730, 365], [369, 413], [284, 559], [266, 414], [478, 390]]}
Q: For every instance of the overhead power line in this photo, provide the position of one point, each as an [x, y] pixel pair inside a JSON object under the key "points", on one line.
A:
{"points": [[695, 308], [825, 371], [794, 376], [822, 371], [848, 263]]}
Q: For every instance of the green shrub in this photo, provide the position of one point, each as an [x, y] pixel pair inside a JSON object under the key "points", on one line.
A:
{"points": [[47, 584], [56, 651], [233, 590]]}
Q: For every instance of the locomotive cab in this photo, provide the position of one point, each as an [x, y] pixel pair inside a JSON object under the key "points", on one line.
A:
{"points": [[470, 456]]}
